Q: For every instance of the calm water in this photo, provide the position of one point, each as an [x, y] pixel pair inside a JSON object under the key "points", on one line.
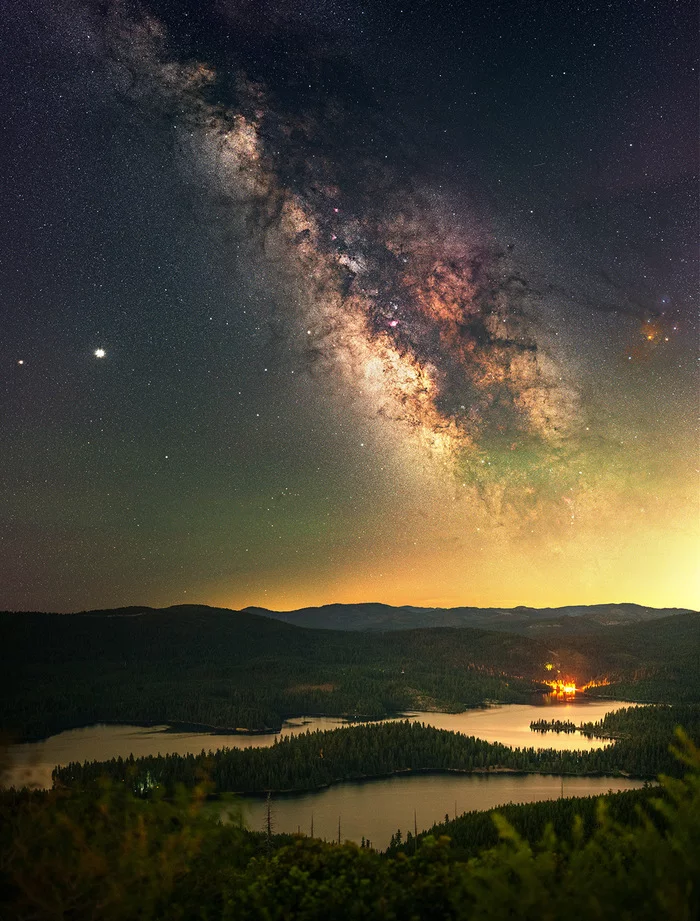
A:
{"points": [[377, 808], [33, 762]]}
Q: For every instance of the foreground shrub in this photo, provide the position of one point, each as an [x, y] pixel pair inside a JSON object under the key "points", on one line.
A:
{"points": [[115, 857]]}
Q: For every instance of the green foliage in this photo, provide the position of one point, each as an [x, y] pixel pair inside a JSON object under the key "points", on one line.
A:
{"points": [[64, 856], [112, 856]]}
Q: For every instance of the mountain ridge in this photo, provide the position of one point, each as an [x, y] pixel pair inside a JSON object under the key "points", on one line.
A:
{"points": [[379, 617]]}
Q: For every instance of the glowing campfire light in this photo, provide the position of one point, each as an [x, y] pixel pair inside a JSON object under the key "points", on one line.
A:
{"points": [[565, 687], [562, 686]]}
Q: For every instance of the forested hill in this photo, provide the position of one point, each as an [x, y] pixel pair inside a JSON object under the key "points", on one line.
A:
{"points": [[382, 617], [668, 652], [473, 832], [197, 634], [224, 669]]}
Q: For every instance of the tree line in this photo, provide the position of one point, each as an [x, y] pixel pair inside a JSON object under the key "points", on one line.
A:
{"points": [[553, 726], [313, 760], [657, 720], [475, 831]]}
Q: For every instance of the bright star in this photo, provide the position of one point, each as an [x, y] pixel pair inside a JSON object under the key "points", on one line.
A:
{"points": [[99, 353]]}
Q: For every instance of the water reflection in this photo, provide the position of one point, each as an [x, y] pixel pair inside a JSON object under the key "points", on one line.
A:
{"points": [[33, 762], [375, 809]]}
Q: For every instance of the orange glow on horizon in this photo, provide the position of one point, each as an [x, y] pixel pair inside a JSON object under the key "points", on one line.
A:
{"points": [[470, 572]]}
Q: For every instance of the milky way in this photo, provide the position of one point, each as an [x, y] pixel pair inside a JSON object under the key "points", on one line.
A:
{"points": [[433, 324], [318, 302]]}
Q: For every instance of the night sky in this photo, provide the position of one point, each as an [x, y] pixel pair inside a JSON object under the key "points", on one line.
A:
{"points": [[324, 301]]}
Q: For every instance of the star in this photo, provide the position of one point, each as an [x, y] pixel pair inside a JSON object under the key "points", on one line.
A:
{"points": [[99, 353]]}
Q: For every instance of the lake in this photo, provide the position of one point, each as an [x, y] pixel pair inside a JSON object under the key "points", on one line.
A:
{"points": [[376, 808], [33, 762]]}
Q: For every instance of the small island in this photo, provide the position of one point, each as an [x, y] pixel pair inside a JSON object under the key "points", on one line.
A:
{"points": [[553, 726]]}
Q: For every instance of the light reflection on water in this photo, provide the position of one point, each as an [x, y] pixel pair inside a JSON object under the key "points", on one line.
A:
{"points": [[33, 762], [377, 808]]}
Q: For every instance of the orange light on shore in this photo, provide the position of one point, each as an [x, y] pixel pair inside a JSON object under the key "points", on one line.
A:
{"points": [[565, 687], [562, 688]]}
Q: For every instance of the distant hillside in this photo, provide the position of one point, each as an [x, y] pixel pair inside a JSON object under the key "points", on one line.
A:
{"points": [[382, 617], [212, 667], [227, 669], [666, 653]]}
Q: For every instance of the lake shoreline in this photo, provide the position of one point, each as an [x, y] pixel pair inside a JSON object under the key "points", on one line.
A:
{"points": [[377, 808], [540, 698], [33, 763], [206, 729], [363, 779]]}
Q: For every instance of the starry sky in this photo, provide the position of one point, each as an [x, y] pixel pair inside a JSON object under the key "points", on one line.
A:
{"points": [[307, 301]]}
